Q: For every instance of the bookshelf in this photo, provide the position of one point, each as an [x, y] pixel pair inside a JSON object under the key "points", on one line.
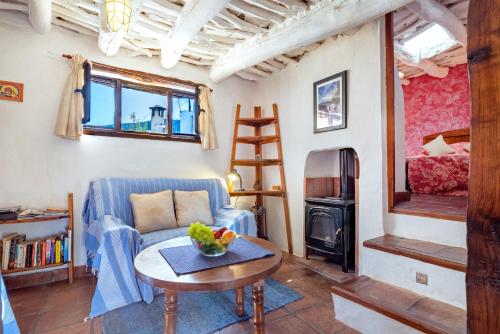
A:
{"points": [[67, 215]]}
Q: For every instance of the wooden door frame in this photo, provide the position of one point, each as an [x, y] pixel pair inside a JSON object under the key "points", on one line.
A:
{"points": [[391, 133], [483, 214]]}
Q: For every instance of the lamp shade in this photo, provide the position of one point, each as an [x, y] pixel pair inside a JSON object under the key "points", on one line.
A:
{"points": [[118, 14], [235, 176]]}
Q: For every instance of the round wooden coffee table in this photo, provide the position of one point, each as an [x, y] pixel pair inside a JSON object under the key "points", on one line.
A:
{"points": [[151, 267]]}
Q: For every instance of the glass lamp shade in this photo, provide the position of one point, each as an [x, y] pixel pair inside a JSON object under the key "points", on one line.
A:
{"points": [[118, 13], [235, 176]]}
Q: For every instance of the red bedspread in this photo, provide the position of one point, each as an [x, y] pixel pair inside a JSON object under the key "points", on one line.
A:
{"points": [[441, 175]]}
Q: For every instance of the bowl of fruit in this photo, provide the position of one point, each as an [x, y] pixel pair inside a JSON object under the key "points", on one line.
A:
{"points": [[210, 242]]}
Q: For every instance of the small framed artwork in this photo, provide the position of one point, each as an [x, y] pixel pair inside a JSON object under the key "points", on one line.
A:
{"points": [[330, 103], [11, 91]]}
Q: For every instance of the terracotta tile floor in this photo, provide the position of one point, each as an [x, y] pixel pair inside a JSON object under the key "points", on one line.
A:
{"points": [[454, 205], [61, 308]]}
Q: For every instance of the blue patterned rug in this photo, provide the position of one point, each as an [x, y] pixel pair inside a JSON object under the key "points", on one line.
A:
{"points": [[197, 312]]}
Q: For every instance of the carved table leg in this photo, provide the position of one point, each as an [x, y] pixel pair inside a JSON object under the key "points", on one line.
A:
{"points": [[258, 307], [170, 304], [240, 299]]}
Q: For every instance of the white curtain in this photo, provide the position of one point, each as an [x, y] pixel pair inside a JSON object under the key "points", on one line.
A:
{"points": [[69, 120], [206, 121]]}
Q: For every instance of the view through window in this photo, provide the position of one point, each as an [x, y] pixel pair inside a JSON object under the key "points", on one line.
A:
{"points": [[122, 106]]}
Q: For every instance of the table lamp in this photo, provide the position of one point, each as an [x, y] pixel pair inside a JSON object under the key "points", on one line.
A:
{"points": [[234, 176]]}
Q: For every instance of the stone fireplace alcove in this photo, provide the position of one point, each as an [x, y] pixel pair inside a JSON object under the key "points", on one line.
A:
{"points": [[330, 184]]}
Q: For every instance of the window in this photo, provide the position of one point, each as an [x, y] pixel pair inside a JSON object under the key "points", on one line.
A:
{"points": [[428, 42], [125, 103]]}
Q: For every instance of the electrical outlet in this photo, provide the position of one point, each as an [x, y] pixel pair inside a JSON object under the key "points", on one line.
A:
{"points": [[422, 279]]}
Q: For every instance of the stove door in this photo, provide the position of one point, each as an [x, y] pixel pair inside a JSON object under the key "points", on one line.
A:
{"points": [[324, 227]]}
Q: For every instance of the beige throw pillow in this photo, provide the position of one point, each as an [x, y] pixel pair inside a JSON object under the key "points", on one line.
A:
{"points": [[438, 147], [192, 206], [153, 212]]}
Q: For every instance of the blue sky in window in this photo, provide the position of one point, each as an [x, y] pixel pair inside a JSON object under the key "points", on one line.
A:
{"points": [[139, 102], [102, 105]]}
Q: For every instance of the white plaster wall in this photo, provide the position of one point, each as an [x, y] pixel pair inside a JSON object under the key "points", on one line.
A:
{"points": [[444, 284], [323, 164], [399, 135], [292, 90], [441, 231], [38, 169], [350, 313]]}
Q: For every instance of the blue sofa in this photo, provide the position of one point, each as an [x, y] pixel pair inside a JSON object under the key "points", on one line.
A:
{"points": [[112, 242], [8, 323]]}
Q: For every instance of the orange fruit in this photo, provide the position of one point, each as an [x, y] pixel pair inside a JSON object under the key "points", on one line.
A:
{"points": [[228, 235]]}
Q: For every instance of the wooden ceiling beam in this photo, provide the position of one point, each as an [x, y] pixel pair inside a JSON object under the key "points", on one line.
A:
{"points": [[271, 6], [165, 7], [434, 11], [276, 64], [305, 28], [18, 7], [239, 23], [293, 4], [248, 76], [286, 60], [268, 67], [254, 11], [426, 65], [195, 14], [40, 15]]}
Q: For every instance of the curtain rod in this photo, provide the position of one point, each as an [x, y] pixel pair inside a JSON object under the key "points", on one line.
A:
{"points": [[67, 56]]}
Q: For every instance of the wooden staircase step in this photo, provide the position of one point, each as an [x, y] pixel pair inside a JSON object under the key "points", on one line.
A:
{"points": [[256, 122], [257, 139], [263, 162], [414, 310], [251, 192], [440, 255]]}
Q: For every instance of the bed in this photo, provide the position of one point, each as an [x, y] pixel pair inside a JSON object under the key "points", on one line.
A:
{"points": [[446, 174]]}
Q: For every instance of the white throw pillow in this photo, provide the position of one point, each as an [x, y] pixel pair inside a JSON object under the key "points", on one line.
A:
{"points": [[192, 206], [153, 212], [438, 147]]}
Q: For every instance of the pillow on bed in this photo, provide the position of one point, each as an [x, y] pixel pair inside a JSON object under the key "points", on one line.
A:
{"points": [[438, 147], [461, 148]]}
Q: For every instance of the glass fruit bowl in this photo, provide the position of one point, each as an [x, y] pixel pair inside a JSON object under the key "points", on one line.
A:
{"points": [[209, 241], [211, 250]]}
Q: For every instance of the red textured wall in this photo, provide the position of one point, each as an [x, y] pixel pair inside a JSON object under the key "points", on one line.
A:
{"points": [[433, 105]]}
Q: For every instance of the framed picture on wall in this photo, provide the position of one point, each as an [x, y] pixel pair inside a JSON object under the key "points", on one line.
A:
{"points": [[330, 103], [11, 91]]}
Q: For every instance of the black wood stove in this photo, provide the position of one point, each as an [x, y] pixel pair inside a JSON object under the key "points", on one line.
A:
{"points": [[330, 221]]}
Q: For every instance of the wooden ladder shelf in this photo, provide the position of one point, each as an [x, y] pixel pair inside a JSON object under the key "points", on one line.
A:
{"points": [[257, 122]]}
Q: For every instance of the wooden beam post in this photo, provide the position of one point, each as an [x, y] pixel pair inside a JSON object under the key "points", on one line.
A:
{"points": [[434, 11], [40, 15], [195, 14], [390, 115], [483, 215]]}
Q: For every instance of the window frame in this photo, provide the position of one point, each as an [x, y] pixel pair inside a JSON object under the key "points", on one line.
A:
{"points": [[146, 78]]}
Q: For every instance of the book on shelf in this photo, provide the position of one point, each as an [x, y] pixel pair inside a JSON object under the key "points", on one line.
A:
{"points": [[17, 252]]}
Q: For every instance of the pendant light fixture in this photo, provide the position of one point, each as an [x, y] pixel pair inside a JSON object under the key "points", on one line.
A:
{"points": [[118, 14]]}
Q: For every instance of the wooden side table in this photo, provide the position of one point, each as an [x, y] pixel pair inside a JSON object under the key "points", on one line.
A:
{"points": [[152, 268]]}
